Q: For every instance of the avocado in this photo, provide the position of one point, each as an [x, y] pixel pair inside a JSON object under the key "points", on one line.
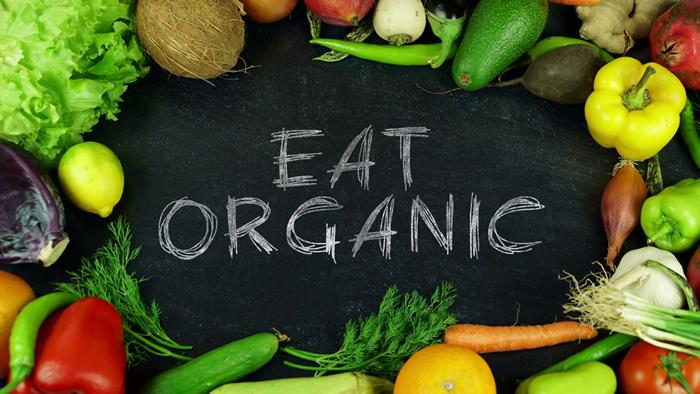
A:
{"points": [[498, 33]]}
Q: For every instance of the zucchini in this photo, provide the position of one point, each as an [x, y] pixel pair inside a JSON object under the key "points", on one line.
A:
{"points": [[222, 365], [344, 383]]}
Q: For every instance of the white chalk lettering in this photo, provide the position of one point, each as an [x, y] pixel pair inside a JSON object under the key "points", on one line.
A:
{"points": [[363, 163], [474, 242], [420, 210], [283, 137], [200, 247], [517, 204], [385, 232], [405, 134], [303, 246], [248, 229]]}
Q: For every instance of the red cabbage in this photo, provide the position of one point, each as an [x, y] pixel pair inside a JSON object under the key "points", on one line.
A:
{"points": [[31, 213]]}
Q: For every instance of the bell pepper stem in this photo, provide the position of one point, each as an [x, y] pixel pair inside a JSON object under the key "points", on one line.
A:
{"points": [[663, 230], [637, 97]]}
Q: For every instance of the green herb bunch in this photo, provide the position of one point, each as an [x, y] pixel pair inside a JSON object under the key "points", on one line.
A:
{"points": [[381, 342], [105, 275]]}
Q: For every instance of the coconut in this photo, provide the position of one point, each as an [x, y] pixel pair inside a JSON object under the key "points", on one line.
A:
{"points": [[191, 38]]}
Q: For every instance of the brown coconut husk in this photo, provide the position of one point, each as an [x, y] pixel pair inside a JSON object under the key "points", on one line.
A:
{"points": [[191, 38]]}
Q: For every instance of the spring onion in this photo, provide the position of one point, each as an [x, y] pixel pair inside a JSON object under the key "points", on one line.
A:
{"points": [[651, 284], [597, 302]]}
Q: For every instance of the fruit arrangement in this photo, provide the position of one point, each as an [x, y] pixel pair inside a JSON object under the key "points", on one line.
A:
{"points": [[641, 304]]}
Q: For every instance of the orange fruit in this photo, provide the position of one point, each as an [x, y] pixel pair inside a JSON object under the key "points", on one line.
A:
{"points": [[445, 369], [15, 293]]}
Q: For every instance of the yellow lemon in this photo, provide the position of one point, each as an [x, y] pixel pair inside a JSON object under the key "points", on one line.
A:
{"points": [[92, 177], [445, 369]]}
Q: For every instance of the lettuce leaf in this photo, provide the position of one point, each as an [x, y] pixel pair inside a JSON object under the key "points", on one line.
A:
{"points": [[63, 65]]}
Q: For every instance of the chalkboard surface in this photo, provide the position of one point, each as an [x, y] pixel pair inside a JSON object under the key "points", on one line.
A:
{"points": [[216, 144]]}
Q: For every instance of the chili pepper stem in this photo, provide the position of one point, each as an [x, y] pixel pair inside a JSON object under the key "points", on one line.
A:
{"points": [[663, 230], [637, 97]]}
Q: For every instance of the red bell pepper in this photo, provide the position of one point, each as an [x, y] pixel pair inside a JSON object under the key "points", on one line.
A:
{"points": [[79, 350]]}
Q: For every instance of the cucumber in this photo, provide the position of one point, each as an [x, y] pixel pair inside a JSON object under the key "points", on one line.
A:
{"points": [[344, 383], [222, 365], [497, 34]]}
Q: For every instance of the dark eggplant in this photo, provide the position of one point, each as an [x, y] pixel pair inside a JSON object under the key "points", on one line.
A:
{"points": [[447, 19], [32, 220]]}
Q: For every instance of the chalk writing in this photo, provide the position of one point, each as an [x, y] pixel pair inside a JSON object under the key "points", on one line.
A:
{"points": [[200, 247], [248, 229], [474, 243], [363, 163], [405, 134], [283, 137], [303, 246], [376, 227], [385, 232], [419, 209], [517, 204]]}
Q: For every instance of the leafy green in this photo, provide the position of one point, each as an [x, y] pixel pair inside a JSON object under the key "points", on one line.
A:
{"points": [[63, 65], [381, 342], [105, 275]]}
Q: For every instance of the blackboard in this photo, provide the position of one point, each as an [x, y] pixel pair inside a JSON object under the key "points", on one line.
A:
{"points": [[186, 138]]}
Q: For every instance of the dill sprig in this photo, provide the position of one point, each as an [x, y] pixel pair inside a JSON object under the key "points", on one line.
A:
{"points": [[381, 342], [105, 275]]}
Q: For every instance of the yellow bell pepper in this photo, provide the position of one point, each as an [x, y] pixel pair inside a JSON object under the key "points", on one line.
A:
{"points": [[634, 108]]}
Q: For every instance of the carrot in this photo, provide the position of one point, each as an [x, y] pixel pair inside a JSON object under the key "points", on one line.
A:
{"points": [[491, 339], [586, 3]]}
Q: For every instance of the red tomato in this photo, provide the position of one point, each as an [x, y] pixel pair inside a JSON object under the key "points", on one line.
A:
{"points": [[268, 11], [641, 371]]}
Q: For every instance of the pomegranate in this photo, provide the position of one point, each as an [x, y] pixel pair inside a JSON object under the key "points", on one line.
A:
{"points": [[675, 41], [340, 12]]}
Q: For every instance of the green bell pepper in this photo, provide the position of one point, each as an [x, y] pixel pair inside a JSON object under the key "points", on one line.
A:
{"points": [[589, 378], [671, 219]]}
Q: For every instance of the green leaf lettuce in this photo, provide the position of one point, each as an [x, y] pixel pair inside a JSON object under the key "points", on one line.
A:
{"points": [[63, 65]]}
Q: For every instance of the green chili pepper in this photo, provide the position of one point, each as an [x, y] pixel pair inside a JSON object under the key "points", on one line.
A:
{"points": [[671, 219], [689, 132], [447, 19], [24, 333], [590, 378], [601, 350], [405, 55]]}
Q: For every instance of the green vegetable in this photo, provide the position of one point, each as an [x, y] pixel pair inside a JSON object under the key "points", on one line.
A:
{"points": [[344, 383], [553, 42], [24, 332], [590, 378], [381, 342], [222, 365], [447, 19], [497, 34], [105, 275], [689, 132], [63, 65], [602, 304], [404, 55], [671, 219], [608, 347]]}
